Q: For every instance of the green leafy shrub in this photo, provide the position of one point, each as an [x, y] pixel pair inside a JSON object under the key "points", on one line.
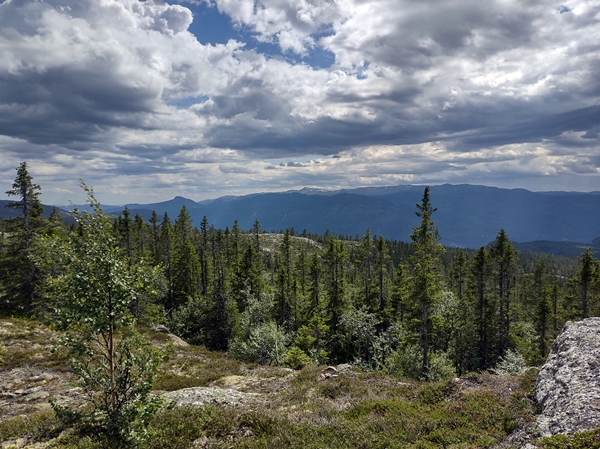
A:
{"points": [[265, 344], [405, 362], [441, 367], [115, 365], [296, 358], [512, 364]]}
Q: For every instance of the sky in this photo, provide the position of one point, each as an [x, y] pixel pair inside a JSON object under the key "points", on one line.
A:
{"points": [[147, 100]]}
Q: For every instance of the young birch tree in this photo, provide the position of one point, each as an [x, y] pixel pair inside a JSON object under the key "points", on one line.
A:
{"points": [[115, 365]]}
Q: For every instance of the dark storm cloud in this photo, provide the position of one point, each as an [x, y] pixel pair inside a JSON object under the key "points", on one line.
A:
{"points": [[67, 105], [536, 129]]}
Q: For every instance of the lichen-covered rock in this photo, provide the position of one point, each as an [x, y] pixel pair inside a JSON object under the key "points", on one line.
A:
{"points": [[199, 396], [568, 386]]}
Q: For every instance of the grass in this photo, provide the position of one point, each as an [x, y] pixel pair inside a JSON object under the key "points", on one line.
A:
{"points": [[36, 426]]}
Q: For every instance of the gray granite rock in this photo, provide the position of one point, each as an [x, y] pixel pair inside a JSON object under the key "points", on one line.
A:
{"points": [[568, 386], [198, 396]]}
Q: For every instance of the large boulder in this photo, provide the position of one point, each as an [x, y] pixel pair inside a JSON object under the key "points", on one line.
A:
{"points": [[568, 386]]}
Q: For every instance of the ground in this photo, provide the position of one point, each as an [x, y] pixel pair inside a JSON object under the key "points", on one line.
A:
{"points": [[242, 405]]}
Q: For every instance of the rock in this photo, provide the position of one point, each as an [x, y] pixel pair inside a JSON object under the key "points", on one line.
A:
{"points": [[568, 386], [344, 367], [328, 372], [177, 342], [199, 396]]}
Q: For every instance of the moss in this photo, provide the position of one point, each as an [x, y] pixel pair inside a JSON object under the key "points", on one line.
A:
{"points": [[580, 440]]}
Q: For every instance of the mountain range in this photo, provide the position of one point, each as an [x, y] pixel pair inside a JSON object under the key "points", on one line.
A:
{"points": [[467, 215]]}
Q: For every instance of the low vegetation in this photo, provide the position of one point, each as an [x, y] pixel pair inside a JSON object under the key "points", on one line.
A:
{"points": [[296, 409]]}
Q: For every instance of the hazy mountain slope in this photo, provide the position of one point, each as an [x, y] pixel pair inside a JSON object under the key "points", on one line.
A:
{"points": [[7, 212], [468, 216]]}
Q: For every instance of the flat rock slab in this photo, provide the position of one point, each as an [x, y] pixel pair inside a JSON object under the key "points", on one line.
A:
{"points": [[568, 386], [199, 396]]}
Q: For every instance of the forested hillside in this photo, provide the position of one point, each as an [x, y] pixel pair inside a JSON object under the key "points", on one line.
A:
{"points": [[415, 310], [468, 216], [284, 298]]}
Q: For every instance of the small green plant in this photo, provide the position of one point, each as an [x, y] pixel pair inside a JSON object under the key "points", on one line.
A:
{"points": [[580, 440], [264, 344], [296, 358], [441, 367], [36, 425]]}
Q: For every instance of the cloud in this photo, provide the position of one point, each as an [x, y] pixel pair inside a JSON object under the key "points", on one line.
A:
{"points": [[291, 24], [122, 93]]}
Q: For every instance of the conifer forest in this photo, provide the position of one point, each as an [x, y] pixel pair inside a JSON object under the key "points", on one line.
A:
{"points": [[281, 297]]}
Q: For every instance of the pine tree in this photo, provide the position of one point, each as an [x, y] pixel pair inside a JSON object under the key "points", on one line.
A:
{"points": [[458, 275], [165, 255], [480, 288], [19, 274], [504, 258], [542, 308], [335, 260], [139, 237], [155, 222], [204, 263], [186, 263], [587, 277], [426, 265], [400, 293], [286, 300], [221, 313], [382, 259], [124, 228], [365, 259]]}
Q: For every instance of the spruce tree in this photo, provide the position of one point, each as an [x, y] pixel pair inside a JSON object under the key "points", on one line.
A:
{"points": [[186, 263], [480, 289], [335, 260], [165, 255], [542, 306], [504, 258], [426, 265], [587, 278], [19, 274], [382, 259]]}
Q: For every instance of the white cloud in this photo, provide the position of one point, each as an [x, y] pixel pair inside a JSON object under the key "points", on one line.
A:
{"points": [[455, 91], [289, 23]]}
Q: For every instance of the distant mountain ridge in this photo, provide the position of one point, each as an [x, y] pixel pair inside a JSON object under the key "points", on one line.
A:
{"points": [[7, 212], [468, 215]]}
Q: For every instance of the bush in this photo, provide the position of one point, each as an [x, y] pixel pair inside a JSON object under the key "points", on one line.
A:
{"points": [[296, 358], [405, 362], [441, 367], [512, 364], [265, 344]]}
